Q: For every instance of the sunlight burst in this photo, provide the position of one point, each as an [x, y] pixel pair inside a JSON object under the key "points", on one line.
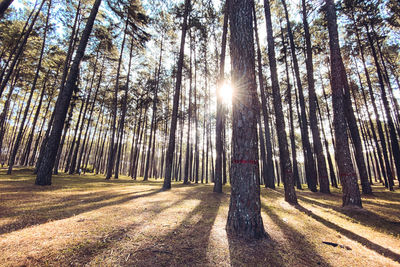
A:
{"points": [[226, 92]]}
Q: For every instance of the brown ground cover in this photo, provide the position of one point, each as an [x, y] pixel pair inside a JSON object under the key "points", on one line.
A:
{"points": [[88, 221]]}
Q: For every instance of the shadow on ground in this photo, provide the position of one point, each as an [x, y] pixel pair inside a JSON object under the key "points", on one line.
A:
{"points": [[270, 252]]}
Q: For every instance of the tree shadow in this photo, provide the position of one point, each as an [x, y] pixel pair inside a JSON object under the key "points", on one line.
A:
{"points": [[365, 242], [187, 243], [57, 212], [82, 252], [269, 252], [362, 216], [394, 207], [261, 252]]}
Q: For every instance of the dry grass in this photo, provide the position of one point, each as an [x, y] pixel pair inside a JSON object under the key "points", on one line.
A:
{"points": [[85, 220]]}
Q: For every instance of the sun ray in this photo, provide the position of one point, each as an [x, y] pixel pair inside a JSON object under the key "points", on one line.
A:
{"points": [[226, 92]]}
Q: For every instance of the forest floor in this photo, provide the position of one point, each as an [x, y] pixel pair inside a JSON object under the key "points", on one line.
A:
{"points": [[88, 221]]}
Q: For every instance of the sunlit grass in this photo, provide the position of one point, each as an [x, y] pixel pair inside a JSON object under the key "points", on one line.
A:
{"points": [[86, 220]]}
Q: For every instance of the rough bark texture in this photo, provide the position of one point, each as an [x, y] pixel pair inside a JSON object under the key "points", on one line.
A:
{"points": [[244, 217], [286, 165], [311, 174], [49, 154], [296, 176], [268, 170], [347, 175], [322, 170]]}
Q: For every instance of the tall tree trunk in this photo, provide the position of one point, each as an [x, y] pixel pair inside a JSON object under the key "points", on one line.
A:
{"points": [[112, 149], [25, 156], [123, 115], [3, 115], [39, 135], [285, 163], [268, 170], [311, 174], [79, 163], [329, 157], [188, 146], [348, 177], [62, 104], [19, 51], [312, 98], [88, 152], [154, 115], [296, 176], [33, 87], [392, 131], [196, 125], [244, 216], [355, 136], [174, 117], [72, 167], [71, 149]]}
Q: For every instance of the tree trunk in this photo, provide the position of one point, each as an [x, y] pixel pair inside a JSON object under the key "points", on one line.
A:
{"points": [[393, 136], [5, 80], [311, 174], [296, 176], [79, 163], [312, 98], [33, 87], [35, 147], [174, 117], [348, 177], [286, 165], [244, 216], [62, 104], [268, 170], [25, 157], [3, 115], [220, 115], [4, 5], [111, 151], [71, 149]]}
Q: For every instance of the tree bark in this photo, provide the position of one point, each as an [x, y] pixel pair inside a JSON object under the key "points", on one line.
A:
{"points": [[311, 174], [174, 117], [62, 104], [112, 149], [268, 170], [285, 163], [244, 216], [33, 87], [312, 98], [19, 51], [347, 175], [296, 176], [393, 136]]}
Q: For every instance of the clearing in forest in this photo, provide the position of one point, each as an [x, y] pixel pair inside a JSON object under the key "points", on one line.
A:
{"points": [[86, 220]]}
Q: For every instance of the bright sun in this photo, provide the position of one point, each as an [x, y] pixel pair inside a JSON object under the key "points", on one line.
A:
{"points": [[225, 93]]}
